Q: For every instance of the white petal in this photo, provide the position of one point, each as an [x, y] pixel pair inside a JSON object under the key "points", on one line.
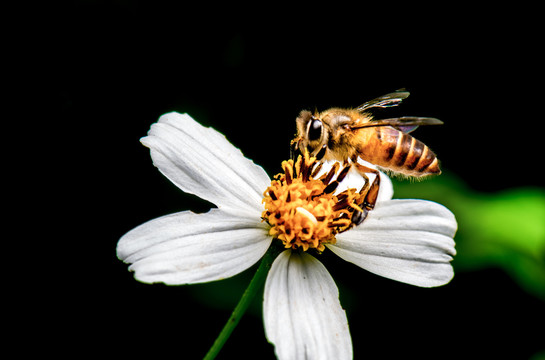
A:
{"points": [[186, 248], [301, 310], [405, 240], [354, 180], [201, 161]]}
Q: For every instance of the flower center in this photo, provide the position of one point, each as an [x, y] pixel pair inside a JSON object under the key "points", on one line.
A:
{"points": [[302, 210]]}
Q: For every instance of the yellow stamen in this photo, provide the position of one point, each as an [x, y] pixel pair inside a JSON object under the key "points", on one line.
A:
{"points": [[302, 210]]}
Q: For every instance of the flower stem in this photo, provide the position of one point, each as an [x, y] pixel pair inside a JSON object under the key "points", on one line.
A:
{"points": [[256, 284]]}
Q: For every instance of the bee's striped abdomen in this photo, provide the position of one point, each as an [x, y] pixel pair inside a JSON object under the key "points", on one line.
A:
{"points": [[402, 153], [412, 157]]}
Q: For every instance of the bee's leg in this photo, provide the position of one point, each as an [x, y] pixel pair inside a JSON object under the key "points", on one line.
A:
{"points": [[368, 203], [371, 196], [371, 191]]}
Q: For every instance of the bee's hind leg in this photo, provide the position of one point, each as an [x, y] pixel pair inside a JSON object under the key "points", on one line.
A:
{"points": [[370, 190]]}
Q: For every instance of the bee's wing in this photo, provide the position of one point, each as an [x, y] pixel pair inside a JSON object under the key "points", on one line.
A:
{"points": [[388, 100], [405, 124]]}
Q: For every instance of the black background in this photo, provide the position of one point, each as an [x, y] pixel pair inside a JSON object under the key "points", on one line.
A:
{"points": [[113, 67]]}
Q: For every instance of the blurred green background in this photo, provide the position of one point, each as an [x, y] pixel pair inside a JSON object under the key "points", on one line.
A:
{"points": [[113, 67], [504, 229]]}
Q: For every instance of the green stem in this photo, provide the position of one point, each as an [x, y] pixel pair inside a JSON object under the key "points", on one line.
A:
{"points": [[257, 282]]}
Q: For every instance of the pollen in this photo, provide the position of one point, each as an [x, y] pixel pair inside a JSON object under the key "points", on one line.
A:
{"points": [[301, 208]]}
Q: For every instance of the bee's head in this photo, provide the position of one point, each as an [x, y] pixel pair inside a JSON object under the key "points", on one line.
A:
{"points": [[311, 135]]}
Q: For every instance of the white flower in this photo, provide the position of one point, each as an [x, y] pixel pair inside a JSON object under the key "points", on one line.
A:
{"points": [[406, 240]]}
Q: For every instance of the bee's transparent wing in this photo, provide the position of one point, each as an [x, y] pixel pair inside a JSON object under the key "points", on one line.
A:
{"points": [[405, 123], [388, 100]]}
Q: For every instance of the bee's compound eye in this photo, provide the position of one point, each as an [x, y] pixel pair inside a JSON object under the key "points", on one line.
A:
{"points": [[315, 130]]}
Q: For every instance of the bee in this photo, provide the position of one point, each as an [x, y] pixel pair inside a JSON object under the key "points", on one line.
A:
{"points": [[346, 135]]}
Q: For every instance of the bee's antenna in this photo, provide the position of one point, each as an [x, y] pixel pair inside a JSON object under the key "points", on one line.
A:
{"points": [[294, 149]]}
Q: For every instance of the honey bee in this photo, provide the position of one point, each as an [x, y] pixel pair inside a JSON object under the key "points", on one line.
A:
{"points": [[345, 135]]}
